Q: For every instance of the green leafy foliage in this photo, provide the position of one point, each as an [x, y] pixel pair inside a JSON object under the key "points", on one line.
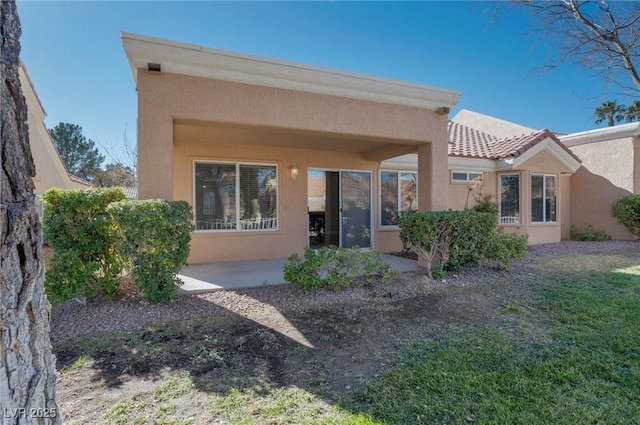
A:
{"points": [[588, 233], [458, 239], [154, 237], [336, 268], [627, 211], [505, 248], [485, 203], [95, 234], [85, 262]]}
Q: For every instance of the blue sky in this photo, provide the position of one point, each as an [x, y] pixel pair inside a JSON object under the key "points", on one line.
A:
{"points": [[75, 58]]}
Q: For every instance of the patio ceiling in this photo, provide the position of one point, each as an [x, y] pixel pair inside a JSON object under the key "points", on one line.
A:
{"points": [[373, 149]]}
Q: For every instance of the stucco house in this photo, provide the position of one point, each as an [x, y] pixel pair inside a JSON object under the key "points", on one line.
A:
{"points": [[610, 169], [241, 138], [528, 172], [50, 170], [276, 156]]}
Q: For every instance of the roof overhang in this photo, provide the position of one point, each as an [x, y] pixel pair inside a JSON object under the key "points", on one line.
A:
{"points": [[549, 145], [601, 134], [198, 61], [512, 163]]}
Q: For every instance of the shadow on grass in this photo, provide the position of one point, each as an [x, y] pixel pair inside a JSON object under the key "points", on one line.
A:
{"points": [[326, 350]]}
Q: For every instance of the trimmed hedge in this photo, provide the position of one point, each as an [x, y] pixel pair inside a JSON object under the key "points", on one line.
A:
{"points": [[96, 234], [154, 238], [627, 211], [83, 237], [450, 240]]}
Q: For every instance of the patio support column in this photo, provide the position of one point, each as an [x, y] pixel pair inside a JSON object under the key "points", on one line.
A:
{"points": [[155, 157], [155, 138], [433, 174]]}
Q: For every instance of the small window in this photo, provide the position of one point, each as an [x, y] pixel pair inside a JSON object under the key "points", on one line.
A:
{"points": [[543, 198], [235, 196], [465, 176], [510, 199], [398, 192]]}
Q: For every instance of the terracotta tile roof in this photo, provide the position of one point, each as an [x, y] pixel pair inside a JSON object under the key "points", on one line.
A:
{"points": [[468, 142]]}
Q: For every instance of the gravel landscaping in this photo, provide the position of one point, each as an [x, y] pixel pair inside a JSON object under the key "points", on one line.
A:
{"points": [[129, 312]]}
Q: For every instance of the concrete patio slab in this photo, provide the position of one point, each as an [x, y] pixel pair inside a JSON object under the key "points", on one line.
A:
{"points": [[230, 275]]}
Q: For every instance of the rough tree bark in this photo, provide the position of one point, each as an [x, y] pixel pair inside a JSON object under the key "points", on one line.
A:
{"points": [[27, 365]]}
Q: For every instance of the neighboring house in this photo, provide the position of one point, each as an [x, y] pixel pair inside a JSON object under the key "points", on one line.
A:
{"points": [[50, 170], [610, 169], [244, 138], [529, 169]]}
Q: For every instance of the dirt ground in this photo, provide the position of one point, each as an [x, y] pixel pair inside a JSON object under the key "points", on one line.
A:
{"points": [[327, 348]]}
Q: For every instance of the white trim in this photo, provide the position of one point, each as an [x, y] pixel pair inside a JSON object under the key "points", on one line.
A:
{"points": [[476, 164], [544, 199], [198, 61], [551, 146], [467, 172], [601, 134], [472, 164], [238, 228]]}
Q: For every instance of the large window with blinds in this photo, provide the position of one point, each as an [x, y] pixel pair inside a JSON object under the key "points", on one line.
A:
{"points": [[398, 192], [235, 196], [543, 198]]}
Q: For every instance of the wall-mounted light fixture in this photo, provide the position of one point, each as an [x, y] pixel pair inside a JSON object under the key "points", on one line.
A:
{"points": [[293, 171]]}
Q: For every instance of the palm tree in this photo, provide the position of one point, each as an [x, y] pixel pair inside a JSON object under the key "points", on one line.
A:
{"points": [[633, 112], [611, 112]]}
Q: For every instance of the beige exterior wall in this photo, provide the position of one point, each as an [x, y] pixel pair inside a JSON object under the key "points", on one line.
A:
{"points": [[182, 119], [50, 170], [545, 163], [610, 170], [458, 191]]}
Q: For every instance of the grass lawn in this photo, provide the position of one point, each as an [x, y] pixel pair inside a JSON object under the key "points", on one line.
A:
{"points": [[584, 369], [561, 348]]}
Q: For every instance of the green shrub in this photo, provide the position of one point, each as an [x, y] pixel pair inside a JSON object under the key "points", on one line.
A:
{"points": [[507, 247], [485, 203], [154, 237], [458, 239], [336, 268], [84, 262], [627, 211], [455, 238], [472, 236], [588, 233]]}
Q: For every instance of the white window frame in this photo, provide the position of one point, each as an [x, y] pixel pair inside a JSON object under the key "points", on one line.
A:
{"points": [[544, 198], [515, 220], [468, 178], [398, 194], [238, 228]]}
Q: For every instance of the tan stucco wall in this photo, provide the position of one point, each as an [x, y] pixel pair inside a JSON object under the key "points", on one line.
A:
{"points": [[165, 97], [458, 191], [609, 171], [543, 162], [174, 109]]}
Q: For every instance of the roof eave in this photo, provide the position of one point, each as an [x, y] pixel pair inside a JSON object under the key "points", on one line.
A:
{"points": [[601, 134], [198, 61]]}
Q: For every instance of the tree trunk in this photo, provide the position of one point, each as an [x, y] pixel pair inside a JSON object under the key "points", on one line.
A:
{"points": [[27, 365]]}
